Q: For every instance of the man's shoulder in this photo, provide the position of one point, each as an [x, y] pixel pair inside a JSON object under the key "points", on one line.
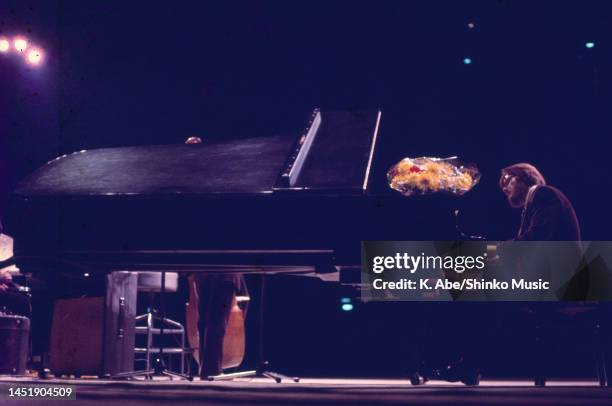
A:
{"points": [[549, 194]]}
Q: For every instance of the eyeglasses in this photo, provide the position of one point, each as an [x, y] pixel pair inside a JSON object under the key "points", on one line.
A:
{"points": [[506, 179]]}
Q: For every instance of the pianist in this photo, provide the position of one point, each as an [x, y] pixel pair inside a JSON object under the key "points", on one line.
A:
{"points": [[547, 215]]}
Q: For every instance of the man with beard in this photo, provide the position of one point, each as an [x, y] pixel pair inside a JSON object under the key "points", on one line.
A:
{"points": [[547, 215]]}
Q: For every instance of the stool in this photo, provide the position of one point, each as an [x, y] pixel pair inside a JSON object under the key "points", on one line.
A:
{"points": [[594, 317], [151, 282]]}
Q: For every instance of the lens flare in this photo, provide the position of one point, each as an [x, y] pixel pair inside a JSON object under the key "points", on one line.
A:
{"points": [[20, 44], [5, 45], [35, 56]]}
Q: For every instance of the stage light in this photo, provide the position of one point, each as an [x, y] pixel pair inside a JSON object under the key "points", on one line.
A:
{"points": [[35, 56], [471, 25], [20, 44], [5, 45], [345, 300], [347, 307], [467, 61], [590, 45]]}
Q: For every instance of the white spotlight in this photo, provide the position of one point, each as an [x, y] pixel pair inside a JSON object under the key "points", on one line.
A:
{"points": [[5, 45], [35, 56], [20, 44]]}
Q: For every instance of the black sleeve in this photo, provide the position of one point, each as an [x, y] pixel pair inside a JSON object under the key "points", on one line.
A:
{"points": [[542, 216]]}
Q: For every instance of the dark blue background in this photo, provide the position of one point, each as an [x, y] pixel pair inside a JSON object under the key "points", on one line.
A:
{"points": [[127, 73], [145, 72]]}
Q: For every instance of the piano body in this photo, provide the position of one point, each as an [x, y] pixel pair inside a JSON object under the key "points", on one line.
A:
{"points": [[288, 203], [294, 203]]}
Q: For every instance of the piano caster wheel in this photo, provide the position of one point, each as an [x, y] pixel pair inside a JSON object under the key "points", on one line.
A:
{"points": [[472, 380], [540, 381], [417, 379]]}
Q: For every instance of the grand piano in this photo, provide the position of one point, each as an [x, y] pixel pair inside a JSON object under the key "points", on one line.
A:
{"points": [[299, 202]]}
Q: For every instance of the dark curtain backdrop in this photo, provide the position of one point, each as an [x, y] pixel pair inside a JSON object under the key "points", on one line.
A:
{"points": [[143, 72], [149, 72]]}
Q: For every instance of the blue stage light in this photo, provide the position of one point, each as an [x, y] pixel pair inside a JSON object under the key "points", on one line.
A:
{"points": [[345, 300], [467, 61], [590, 45], [347, 307]]}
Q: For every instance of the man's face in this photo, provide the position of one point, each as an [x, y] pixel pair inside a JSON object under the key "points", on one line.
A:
{"points": [[514, 189]]}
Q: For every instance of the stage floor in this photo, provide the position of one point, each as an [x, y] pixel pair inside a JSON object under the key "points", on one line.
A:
{"points": [[317, 392]]}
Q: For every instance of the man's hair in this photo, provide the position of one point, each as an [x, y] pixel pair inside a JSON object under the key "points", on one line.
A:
{"points": [[527, 173]]}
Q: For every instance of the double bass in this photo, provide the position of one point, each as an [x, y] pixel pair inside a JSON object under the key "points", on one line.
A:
{"points": [[234, 340]]}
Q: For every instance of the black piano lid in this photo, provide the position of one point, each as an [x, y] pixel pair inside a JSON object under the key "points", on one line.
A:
{"points": [[337, 150], [334, 155], [178, 205], [238, 166]]}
